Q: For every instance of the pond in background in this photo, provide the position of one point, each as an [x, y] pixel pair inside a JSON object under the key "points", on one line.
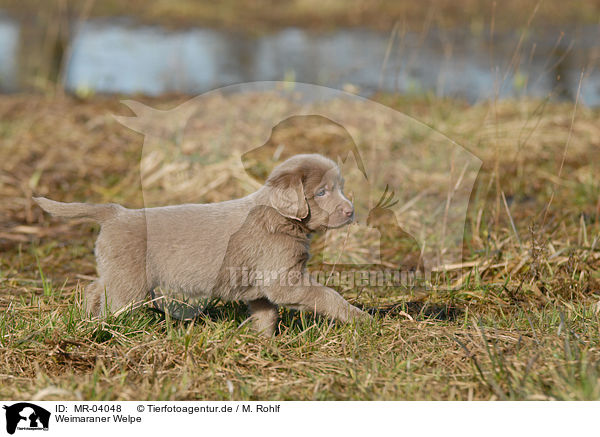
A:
{"points": [[9, 40], [117, 57]]}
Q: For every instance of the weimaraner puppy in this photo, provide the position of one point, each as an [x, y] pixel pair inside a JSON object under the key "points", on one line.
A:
{"points": [[252, 249]]}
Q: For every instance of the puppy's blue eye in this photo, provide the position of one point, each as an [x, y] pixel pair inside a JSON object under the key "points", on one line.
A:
{"points": [[321, 193]]}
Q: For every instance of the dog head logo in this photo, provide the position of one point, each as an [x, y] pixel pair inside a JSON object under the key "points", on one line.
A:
{"points": [[26, 416], [410, 185]]}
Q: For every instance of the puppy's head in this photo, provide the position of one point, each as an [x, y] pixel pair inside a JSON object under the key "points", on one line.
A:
{"points": [[309, 188]]}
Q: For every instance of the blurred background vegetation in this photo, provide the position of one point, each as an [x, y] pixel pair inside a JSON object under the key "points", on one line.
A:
{"points": [[456, 48], [264, 15]]}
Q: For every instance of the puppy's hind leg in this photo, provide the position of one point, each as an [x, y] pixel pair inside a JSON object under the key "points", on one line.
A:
{"points": [[122, 291], [102, 297], [93, 298], [264, 316]]}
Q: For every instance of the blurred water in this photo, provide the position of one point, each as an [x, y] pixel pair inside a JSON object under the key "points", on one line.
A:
{"points": [[9, 39], [116, 57]]}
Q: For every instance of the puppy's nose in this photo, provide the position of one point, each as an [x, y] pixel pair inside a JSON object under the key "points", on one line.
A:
{"points": [[348, 211]]}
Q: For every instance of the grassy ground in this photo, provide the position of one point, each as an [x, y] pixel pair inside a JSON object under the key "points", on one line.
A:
{"points": [[523, 324]]}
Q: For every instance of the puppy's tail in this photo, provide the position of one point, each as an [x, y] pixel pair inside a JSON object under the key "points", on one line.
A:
{"points": [[100, 213]]}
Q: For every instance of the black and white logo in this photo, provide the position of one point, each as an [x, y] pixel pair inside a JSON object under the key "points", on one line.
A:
{"points": [[26, 416]]}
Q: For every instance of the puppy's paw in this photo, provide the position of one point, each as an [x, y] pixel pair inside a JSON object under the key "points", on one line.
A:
{"points": [[359, 315]]}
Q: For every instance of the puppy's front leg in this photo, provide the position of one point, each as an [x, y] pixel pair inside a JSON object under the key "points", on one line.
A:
{"points": [[264, 316], [315, 297]]}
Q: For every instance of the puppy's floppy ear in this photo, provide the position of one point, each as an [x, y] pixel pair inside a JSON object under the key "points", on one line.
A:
{"points": [[287, 196]]}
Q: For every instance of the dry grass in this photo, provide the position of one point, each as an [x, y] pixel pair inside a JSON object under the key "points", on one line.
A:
{"points": [[521, 325]]}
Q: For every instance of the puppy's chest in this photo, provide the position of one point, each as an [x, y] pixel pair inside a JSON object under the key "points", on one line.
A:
{"points": [[288, 253], [277, 252]]}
